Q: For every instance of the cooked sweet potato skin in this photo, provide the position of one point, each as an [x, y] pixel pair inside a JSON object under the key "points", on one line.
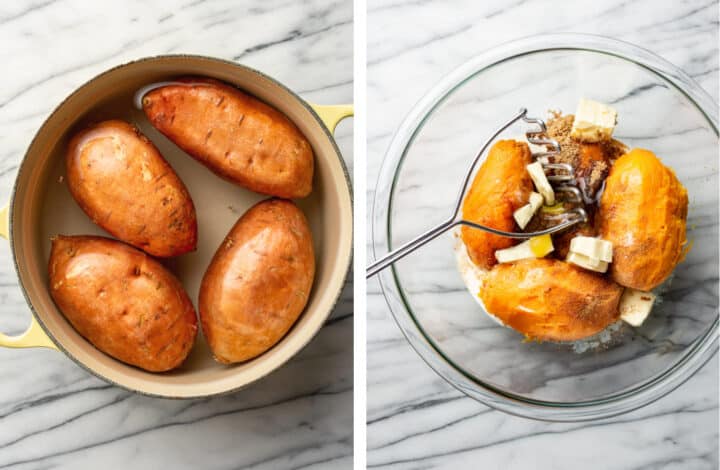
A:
{"points": [[643, 212], [258, 282], [500, 187], [123, 301], [551, 300], [234, 134], [125, 186]]}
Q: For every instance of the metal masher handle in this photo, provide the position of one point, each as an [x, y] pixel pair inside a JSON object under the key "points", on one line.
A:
{"points": [[408, 248], [414, 244], [434, 232]]}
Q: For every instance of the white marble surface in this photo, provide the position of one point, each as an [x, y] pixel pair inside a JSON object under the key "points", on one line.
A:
{"points": [[415, 419], [55, 415]]}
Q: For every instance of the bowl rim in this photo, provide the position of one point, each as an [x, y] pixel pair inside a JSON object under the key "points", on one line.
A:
{"points": [[701, 350], [161, 57]]}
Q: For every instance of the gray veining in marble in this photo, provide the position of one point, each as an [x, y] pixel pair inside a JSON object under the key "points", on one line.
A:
{"points": [[415, 419], [55, 415]]}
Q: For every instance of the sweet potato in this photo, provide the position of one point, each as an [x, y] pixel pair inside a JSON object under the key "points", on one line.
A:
{"points": [[549, 299], [643, 212], [258, 282], [122, 301], [501, 186], [125, 186], [234, 134], [592, 167]]}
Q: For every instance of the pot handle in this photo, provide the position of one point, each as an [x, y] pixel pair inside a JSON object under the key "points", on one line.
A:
{"points": [[332, 114], [34, 336]]}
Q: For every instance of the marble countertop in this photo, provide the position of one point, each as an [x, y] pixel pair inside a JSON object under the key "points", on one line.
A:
{"points": [[55, 415], [415, 419]]}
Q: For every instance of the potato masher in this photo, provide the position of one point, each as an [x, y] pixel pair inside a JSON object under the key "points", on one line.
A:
{"points": [[561, 176]]}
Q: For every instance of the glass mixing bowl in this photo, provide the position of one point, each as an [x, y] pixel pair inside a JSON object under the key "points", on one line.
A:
{"points": [[660, 108]]}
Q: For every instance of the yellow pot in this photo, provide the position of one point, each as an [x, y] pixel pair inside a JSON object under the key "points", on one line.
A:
{"points": [[41, 206]]}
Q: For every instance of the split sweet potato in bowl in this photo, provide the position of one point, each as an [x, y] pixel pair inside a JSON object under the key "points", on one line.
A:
{"points": [[637, 219]]}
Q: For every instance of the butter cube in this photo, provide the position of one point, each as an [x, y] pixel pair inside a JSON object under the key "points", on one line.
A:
{"points": [[594, 122], [635, 306]]}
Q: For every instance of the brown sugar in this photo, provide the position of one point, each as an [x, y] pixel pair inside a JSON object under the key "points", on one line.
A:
{"points": [[598, 172], [591, 161], [558, 128]]}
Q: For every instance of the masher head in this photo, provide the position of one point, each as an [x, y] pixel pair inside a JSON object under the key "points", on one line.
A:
{"points": [[560, 175]]}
